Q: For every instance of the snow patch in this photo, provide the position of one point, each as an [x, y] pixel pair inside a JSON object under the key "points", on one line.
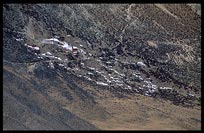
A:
{"points": [[119, 84], [118, 72], [59, 58], [98, 60], [67, 46], [88, 43], [129, 87], [19, 39], [108, 80], [191, 95], [61, 64], [99, 72], [39, 57], [101, 83], [91, 68], [146, 94], [148, 82], [141, 64], [82, 63], [75, 69], [51, 65], [32, 47], [82, 51], [48, 53], [89, 73], [88, 78], [55, 40], [165, 88]]}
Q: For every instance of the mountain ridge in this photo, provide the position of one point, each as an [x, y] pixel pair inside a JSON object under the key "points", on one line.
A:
{"points": [[126, 54]]}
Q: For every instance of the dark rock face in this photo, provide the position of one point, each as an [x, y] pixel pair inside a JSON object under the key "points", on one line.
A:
{"points": [[126, 49]]}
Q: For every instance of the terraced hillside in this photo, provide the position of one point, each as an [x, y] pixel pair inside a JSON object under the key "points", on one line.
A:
{"points": [[136, 66]]}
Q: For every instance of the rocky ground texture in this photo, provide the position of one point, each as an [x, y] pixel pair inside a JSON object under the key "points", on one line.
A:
{"points": [[138, 66]]}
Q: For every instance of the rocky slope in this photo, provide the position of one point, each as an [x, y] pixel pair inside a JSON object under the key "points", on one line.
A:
{"points": [[142, 57]]}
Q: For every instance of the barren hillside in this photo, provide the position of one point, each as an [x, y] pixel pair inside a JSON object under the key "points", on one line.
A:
{"points": [[101, 66]]}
